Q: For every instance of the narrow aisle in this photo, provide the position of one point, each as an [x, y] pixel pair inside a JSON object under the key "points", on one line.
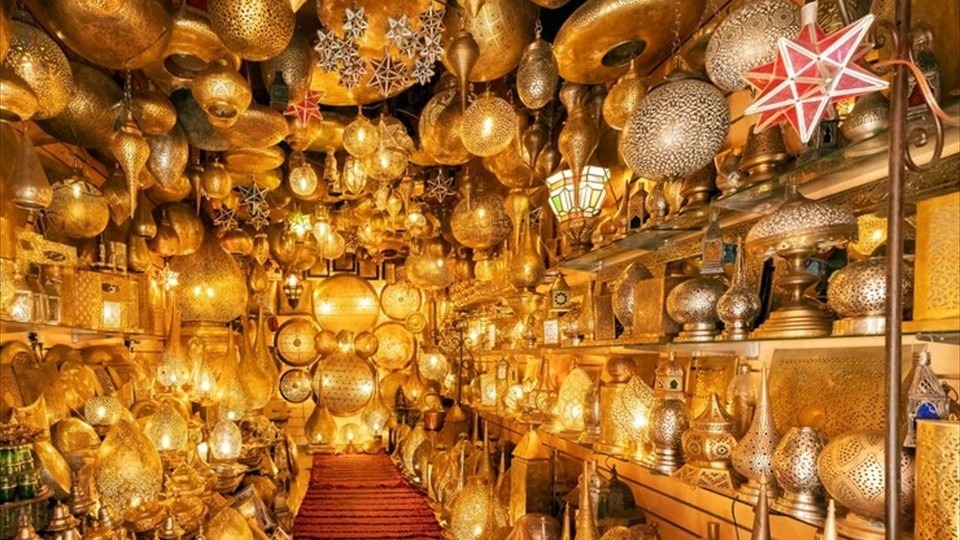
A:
{"points": [[362, 497]]}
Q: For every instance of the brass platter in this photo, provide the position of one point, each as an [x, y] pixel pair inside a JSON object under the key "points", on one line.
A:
{"points": [[294, 342], [597, 42]]}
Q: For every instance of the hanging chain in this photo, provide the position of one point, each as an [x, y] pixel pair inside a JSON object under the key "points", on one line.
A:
{"points": [[675, 47], [538, 29]]}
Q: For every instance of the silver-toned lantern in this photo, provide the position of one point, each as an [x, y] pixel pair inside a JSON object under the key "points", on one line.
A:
{"points": [[748, 38], [677, 129]]}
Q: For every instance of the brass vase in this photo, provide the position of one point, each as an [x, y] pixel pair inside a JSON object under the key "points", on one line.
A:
{"points": [[753, 455], [739, 306]]}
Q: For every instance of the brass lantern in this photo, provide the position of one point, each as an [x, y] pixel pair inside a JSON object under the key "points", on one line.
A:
{"points": [[128, 471], [132, 152], [225, 440], [389, 160], [361, 138], [90, 116], [255, 29], [167, 429], [36, 60], [222, 93], [213, 286], [153, 111], [537, 75], [78, 209], [623, 98], [489, 125]]}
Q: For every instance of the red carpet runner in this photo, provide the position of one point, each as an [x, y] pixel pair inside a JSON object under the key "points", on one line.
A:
{"points": [[362, 497]]}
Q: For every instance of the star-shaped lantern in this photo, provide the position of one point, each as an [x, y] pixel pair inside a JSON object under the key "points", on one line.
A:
{"points": [[810, 73], [328, 49], [354, 23], [423, 70], [398, 31], [352, 71], [389, 74], [439, 188], [431, 20], [225, 219], [307, 108]]}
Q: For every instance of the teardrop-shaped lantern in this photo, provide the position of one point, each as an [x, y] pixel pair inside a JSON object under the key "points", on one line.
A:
{"points": [[167, 428], [538, 75], [462, 54], [212, 285], [225, 441], [173, 366], [131, 151], [623, 98], [143, 224], [580, 134], [27, 187], [320, 427], [228, 524], [215, 182], [230, 395], [526, 269], [90, 117], [127, 472], [258, 371]]}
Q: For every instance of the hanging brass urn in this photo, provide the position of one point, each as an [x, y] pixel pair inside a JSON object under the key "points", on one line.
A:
{"points": [[501, 29], [537, 76], [36, 60], [255, 29]]}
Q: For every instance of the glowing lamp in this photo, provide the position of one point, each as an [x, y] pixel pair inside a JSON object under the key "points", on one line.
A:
{"points": [[293, 289], [167, 429], [102, 411], [302, 178], [586, 200], [225, 441]]}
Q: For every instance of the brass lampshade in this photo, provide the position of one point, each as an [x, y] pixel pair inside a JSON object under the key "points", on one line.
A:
{"points": [[212, 285], [193, 45], [480, 221], [222, 93], [255, 29], [78, 209], [194, 121], [167, 428], [256, 127], [537, 75], [489, 125], [90, 116], [131, 151], [345, 381], [501, 28], [225, 440], [623, 98], [440, 124], [17, 100], [796, 231], [35, 59], [228, 524], [361, 138], [127, 472], [128, 37], [294, 65]]}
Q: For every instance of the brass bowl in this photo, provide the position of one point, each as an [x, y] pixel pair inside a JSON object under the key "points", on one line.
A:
{"points": [[129, 37], [597, 41], [90, 117]]}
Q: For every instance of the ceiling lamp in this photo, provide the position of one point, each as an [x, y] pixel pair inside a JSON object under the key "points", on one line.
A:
{"points": [[479, 221], [213, 285], [748, 39], [35, 60], [222, 93], [302, 178], [623, 98], [78, 209], [361, 138], [537, 76], [254, 29], [677, 129], [354, 177], [215, 182], [389, 161], [489, 125], [131, 151], [429, 269]]}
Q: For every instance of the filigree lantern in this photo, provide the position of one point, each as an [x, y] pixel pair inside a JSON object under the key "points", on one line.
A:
{"points": [[677, 129], [225, 440], [796, 231], [489, 125], [212, 284], [361, 138], [128, 471], [480, 220], [389, 160], [753, 455], [167, 429], [577, 210]]}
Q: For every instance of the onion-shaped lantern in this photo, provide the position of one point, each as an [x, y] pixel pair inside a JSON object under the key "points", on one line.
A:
{"points": [[489, 125]]}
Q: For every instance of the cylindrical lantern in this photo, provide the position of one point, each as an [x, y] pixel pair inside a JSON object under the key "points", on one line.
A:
{"points": [[938, 480]]}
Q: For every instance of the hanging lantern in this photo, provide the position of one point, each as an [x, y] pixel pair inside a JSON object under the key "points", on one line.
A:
{"points": [[173, 366], [354, 177], [102, 411], [153, 111], [361, 138], [623, 98], [480, 221], [429, 269], [90, 116], [36, 61], [292, 289], [302, 178], [127, 472], [168, 159], [78, 209], [581, 132], [440, 125], [461, 55], [132, 152], [167, 429], [293, 67], [433, 365], [593, 190], [389, 160], [215, 182], [213, 285], [225, 441], [747, 39], [538, 74], [677, 129], [489, 125], [222, 93], [330, 173], [254, 29]]}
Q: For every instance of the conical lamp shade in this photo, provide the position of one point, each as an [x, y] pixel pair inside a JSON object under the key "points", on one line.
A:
{"points": [[320, 427], [752, 457]]}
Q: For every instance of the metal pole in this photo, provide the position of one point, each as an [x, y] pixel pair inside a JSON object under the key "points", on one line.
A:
{"points": [[894, 314]]}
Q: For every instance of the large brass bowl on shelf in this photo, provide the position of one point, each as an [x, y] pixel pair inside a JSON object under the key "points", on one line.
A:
{"points": [[597, 42]]}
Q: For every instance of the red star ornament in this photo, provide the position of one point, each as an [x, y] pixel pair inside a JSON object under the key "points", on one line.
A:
{"points": [[810, 73], [307, 108]]}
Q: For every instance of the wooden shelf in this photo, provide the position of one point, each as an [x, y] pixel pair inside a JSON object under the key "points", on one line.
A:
{"points": [[74, 334], [682, 511]]}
